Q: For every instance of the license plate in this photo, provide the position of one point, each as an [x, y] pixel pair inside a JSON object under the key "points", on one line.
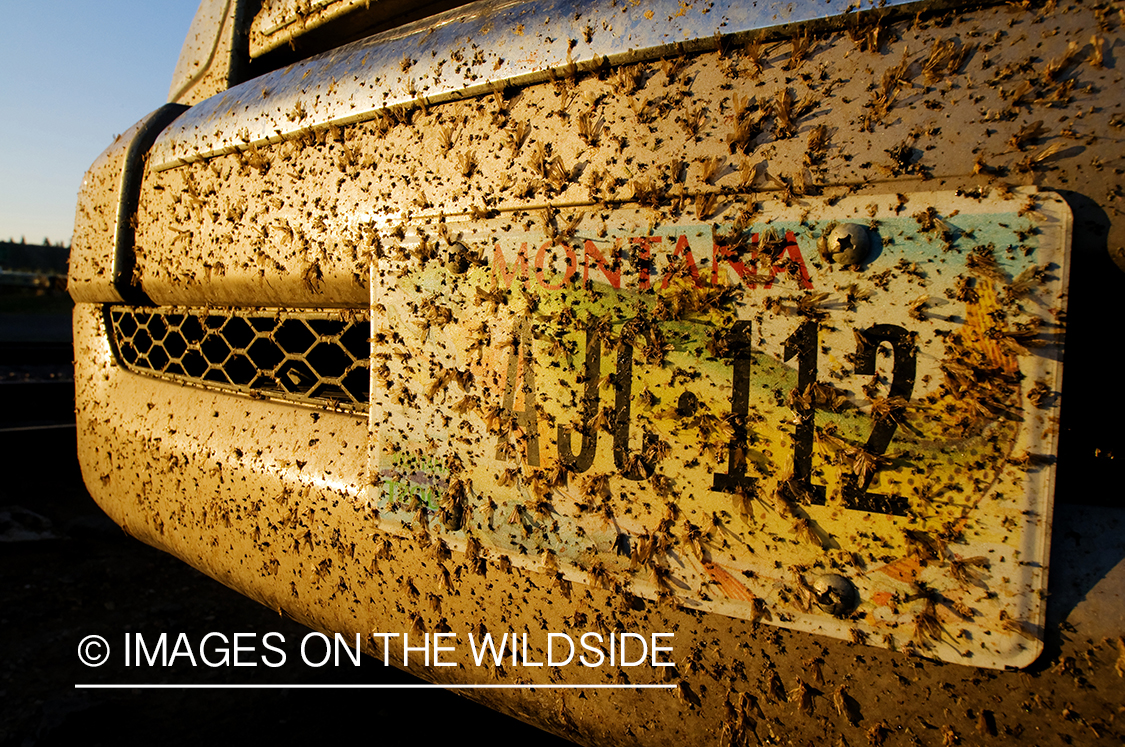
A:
{"points": [[726, 417]]}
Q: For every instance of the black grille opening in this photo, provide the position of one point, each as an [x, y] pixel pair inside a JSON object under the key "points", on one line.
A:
{"points": [[317, 358]]}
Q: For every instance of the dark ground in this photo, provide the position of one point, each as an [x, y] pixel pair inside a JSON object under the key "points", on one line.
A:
{"points": [[74, 573]]}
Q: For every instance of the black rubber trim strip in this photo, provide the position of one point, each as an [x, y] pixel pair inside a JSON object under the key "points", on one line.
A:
{"points": [[132, 173]]}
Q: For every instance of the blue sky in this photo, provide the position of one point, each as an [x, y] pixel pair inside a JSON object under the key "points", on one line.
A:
{"points": [[75, 74]]}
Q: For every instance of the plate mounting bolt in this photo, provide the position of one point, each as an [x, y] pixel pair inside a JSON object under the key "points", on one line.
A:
{"points": [[835, 594], [844, 243]]}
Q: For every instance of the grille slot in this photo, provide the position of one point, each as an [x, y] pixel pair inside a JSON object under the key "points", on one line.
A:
{"points": [[317, 358]]}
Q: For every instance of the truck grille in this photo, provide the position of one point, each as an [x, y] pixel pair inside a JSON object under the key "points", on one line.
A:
{"points": [[317, 358]]}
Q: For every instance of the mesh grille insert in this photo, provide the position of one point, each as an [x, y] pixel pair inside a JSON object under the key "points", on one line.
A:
{"points": [[315, 357]]}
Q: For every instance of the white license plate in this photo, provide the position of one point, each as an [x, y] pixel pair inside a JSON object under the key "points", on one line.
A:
{"points": [[717, 416]]}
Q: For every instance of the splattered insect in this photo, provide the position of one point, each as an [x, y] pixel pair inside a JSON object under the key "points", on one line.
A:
{"points": [[692, 121], [817, 148], [927, 625], [802, 694], [590, 127], [705, 204], [845, 705], [468, 163], [1027, 134], [710, 168]]}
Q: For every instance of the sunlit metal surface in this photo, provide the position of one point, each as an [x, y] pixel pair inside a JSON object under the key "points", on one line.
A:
{"points": [[462, 53]]}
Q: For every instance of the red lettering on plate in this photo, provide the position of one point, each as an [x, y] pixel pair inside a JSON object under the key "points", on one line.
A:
{"points": [[612, 275], [571, 265], [643, 258], [791, 262], [500, 266], [683, 249]]}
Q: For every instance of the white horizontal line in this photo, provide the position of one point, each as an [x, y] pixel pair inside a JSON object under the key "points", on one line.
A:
{"points": [[37, 427], [143, 686]]}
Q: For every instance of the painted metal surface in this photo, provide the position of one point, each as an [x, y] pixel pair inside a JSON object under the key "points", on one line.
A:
{"points": [[279, 21], [464, 53], [208, 57], [103, 268]]}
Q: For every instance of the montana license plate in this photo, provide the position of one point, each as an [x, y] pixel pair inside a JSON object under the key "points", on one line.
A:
{"points": [[731, 417]]}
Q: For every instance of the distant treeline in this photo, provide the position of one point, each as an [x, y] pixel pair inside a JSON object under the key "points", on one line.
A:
{"points": [[39, 258]]}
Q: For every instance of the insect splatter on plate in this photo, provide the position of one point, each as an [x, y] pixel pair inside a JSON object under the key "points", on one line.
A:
{"points": [[839, 418]]}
